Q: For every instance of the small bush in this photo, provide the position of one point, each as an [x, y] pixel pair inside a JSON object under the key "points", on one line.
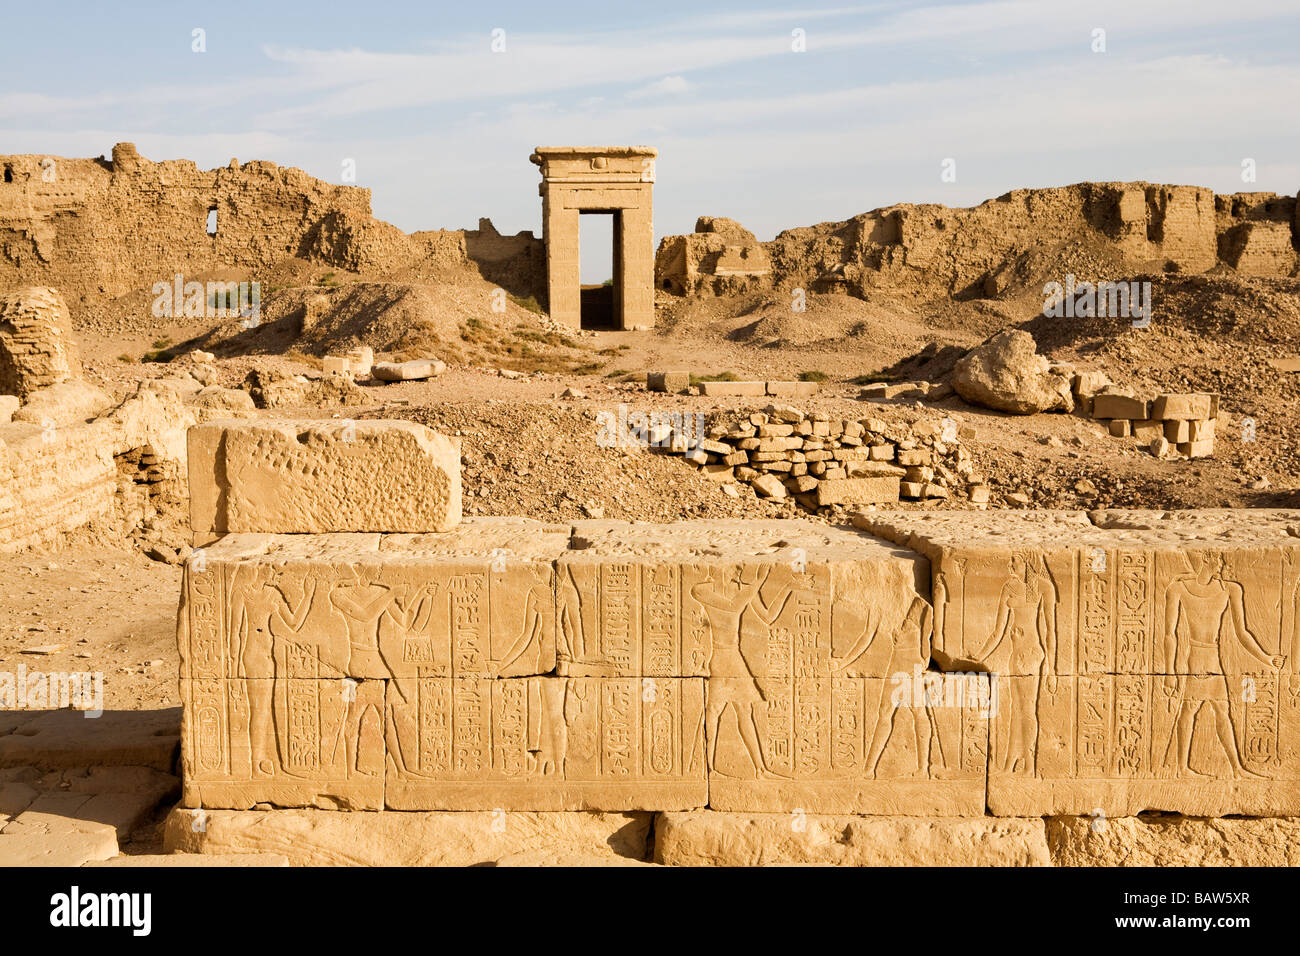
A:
{"points": [[529, 303]]}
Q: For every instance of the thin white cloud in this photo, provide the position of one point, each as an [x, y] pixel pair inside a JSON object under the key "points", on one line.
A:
{"points": [[668, 86]]}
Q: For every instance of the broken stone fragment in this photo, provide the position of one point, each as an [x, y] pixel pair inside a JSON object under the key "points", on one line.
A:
{"points": [[36, 344], [317, 477], [1007, 373], [71, 402], [668, 381]]}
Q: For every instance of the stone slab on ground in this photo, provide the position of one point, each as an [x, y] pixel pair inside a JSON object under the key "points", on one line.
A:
{"points": [[56, 739], [290, 476], [71, 817], [388, 838], [793, 389], [711, 838], [413, 370], [719, 389], [122, 797], [66, 846]]}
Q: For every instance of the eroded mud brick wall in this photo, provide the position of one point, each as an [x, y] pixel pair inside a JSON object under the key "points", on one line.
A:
{"points": [[99, 228], [96, 226], [986, 248]]}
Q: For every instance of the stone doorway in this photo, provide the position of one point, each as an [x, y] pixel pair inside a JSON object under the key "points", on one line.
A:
{"points": [[606, 180], [598, 235]]}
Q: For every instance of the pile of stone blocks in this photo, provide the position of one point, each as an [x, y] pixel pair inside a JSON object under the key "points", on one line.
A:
{"points": [[1169, 424], [821, 461]]}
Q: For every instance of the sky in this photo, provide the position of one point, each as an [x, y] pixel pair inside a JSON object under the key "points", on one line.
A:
{"points": [[773, 114]]}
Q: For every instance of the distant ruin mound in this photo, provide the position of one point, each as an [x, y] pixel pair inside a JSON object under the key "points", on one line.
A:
{"points": [[1000, 249]]}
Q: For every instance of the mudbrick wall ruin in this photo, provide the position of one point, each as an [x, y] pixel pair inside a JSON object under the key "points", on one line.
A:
{"points": [[981, 251], [96, 228]]}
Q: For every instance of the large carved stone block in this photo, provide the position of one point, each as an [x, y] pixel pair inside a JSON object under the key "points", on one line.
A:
{"points": [[1120, 744], [546, 743], [915, 746], [322, 476], [475, 602], [290, 742], [1144, 660], [738, 599]]}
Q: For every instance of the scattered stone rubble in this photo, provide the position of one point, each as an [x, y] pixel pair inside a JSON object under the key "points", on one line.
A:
{"points": [[1007, 374]]}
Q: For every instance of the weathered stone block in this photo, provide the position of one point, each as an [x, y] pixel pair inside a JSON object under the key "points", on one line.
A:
{"points": [[737, 599], [793, 389], [713, 838], [879, 489], [474, 602], [325, 838], [668, 381], [289, 741], [1173, 841], [413, 370], [36, 345], [733, 388], [322, 476], [1185, 407], [1107, 405], [1142, 660]]}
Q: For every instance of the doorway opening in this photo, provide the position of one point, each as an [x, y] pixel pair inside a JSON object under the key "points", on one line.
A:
{"points": [[600, 269]]}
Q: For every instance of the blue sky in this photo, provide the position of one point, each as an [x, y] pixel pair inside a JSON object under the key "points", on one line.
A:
{"points": [[440, 126]]}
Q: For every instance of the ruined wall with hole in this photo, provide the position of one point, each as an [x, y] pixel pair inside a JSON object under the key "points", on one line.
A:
{"points": [[102, 228], [97, 229], [1015, 241]]}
